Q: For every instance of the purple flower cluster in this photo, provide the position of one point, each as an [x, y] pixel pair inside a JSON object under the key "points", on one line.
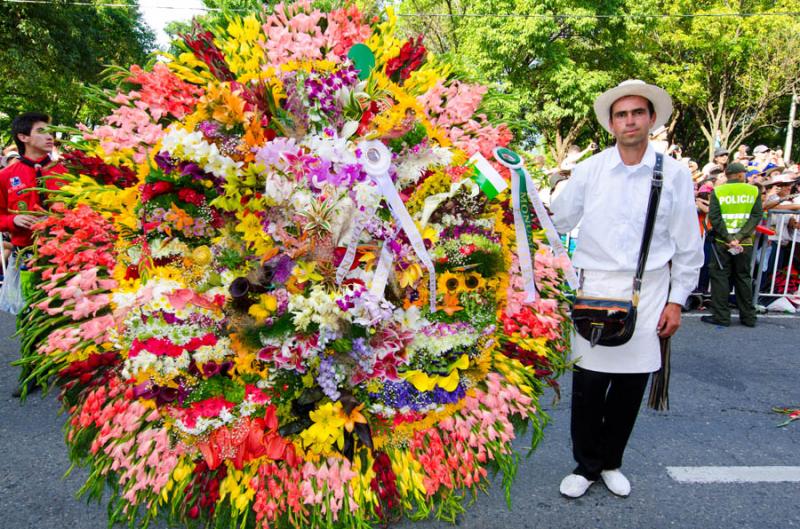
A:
{"points": [[322, 90], [463, 229], [295, 102], [402, 394], [329, 377], [166, 163], [344, 175], [271, 154], [363, 354], [201, 227]]}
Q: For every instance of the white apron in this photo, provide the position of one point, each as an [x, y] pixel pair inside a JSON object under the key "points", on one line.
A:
{"points": [[642, 354]]}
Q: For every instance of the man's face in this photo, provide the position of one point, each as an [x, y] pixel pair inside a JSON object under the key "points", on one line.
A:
{"points": [[39, 142], [631, 121], [722, 159]]}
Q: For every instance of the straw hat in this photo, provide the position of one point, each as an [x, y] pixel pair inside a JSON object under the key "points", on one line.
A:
{"points": [[661, 100], [785, 178]]}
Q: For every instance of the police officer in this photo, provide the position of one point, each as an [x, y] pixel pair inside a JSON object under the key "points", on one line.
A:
{"points": [[734, 212]]}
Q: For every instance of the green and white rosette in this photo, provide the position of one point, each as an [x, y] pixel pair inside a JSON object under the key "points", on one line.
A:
{"points": [[524, 195]]}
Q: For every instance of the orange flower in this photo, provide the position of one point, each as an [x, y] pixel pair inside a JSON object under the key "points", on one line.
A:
{"points": [[178, 217]]}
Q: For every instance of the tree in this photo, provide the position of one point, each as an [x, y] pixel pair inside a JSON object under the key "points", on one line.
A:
{"points": [[49, 52], [547, 63], [726, 73]]}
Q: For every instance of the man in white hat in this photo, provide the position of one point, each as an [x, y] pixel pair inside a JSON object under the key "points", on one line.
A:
{"points": [[609, 193]]}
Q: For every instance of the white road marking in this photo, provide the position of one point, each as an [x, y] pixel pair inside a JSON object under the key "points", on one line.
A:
{"points": [[774, 474]]}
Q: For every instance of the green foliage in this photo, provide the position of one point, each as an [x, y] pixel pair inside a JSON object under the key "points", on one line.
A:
{"points": [[729, 76], [216, 386], [49, 52]]}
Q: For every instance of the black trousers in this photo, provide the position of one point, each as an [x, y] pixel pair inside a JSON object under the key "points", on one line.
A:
{"points": [[604, 410]]}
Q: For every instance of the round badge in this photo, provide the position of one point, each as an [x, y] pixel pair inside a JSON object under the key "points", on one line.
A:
{"points": [[22, 205]]}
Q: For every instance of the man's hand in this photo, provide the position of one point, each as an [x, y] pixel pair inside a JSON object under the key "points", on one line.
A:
{"points": [[670, 320], [25, 221]]}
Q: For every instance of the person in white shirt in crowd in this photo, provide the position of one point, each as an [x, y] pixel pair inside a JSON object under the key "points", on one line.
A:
{"points": [[658, 139], [761, 155], [742, 154], [676, 151], [609, 194]]}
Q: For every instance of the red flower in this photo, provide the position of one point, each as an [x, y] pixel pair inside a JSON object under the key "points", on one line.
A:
{"points": [[191, 196], [150, 191], [411, 57], [468, 250], [156, 346]]}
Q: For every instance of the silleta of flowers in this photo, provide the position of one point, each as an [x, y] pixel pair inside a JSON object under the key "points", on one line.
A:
{"points": [[248, 327]]}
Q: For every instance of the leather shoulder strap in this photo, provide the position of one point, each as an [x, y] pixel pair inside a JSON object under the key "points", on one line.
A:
{"points": [[649, 224]]}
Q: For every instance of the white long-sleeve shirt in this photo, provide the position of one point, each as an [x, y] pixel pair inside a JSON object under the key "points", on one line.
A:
{"points": [[609, 199]]}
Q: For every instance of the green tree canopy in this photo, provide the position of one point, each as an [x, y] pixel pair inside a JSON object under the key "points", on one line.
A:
{"points": [[727, 74], [548, 62], [48, 52]]}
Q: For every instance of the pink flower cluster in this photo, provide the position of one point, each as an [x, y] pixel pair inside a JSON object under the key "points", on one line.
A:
{"points": [[278, 491], [294, 33], [346, 27], [163, 94], [134, 124], [78, 296], [325, 485], [75, 240], [453, 452], [126, 128], [319, 488], [452, 108], [136, 449]]}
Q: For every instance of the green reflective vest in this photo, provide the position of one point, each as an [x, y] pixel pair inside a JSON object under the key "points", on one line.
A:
{"points": [[736, 201]]}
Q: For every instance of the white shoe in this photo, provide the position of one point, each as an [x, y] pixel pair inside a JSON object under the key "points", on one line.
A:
{"points": [[574, 486], [616, 482]]}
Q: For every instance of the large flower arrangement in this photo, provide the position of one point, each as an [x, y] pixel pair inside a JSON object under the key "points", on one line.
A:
{"points": [[244, 331]]}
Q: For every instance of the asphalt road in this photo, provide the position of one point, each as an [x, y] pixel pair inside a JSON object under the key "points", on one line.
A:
{"points": [[724, 384]]}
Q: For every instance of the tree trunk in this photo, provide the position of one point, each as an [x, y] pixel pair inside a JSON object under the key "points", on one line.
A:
{"points": [[558, 148]]}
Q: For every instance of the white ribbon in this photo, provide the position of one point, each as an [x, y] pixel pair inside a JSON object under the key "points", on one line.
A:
{"points": [[517, 169], [550, 230], [523, 248], [376, 160], [352, 247]]}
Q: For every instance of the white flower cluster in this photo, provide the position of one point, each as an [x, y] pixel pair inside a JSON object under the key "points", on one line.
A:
{"points": [[439, 344], [204, 424], [382, 410], [411, 165], [166, 366], [213, 353], [319, 307], [192, 146]]}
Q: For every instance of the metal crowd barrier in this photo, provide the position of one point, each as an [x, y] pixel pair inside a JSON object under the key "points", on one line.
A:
{"points": [[766, 267]]}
